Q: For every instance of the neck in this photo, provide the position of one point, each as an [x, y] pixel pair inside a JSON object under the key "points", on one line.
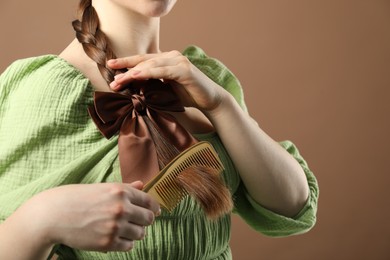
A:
{"points": [[129, 33]]}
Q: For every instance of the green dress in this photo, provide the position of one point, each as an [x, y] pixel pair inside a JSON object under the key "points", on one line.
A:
{"points": [[47, 139]]}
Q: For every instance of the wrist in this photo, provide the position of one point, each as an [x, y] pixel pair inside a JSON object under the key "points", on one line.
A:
{"points": [[38, 221], [226, 102], [44, 219], [24, 227]]}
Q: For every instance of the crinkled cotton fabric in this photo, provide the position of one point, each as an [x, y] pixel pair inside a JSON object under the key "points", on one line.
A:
{"points": [[47, 139]]}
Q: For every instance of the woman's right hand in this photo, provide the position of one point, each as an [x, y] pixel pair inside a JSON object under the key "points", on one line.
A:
{"points": [[98, 217]]}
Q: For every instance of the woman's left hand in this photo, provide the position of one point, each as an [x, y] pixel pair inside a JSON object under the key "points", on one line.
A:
{"points": [[194, 88]]}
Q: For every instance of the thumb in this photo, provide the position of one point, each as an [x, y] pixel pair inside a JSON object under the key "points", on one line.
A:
{"points": [[137, 185]]}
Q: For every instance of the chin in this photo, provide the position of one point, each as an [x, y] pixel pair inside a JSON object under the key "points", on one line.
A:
{"points": [[159, 8]]}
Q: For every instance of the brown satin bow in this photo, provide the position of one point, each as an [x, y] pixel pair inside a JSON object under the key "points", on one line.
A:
{"points": [[137, 114]]}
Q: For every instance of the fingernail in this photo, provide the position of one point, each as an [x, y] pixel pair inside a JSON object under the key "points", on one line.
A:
{"points": [[113, 84], [119, 76], [158, 213], [113, 61]]}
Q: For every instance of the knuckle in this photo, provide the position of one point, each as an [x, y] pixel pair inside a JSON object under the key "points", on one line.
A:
{"points": [[149, 218], [152, 63], [151, 204], [112, 228], [175, 53], [147, 202], [118, 190], [106, 243], [164, 71], [140, 234], [128, 246], [124, 60], [185, 62], [168, 73], [118, 210], [140, 58]]}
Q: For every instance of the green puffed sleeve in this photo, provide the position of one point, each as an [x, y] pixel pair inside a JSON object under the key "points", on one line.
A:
{"points": [[4, 81], [216, 71], [271, 223], [258, 217]]}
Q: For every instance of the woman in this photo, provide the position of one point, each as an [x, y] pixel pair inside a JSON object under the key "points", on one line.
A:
{"points": [[60, 184]]}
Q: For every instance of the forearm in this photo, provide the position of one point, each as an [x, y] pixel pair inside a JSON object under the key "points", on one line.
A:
{"points": [[21, 237], [271, 175]]}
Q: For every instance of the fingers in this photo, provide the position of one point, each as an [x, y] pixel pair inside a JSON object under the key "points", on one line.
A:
{"points": [[161, 64], [124, 240], [144, 72], [132, 61], [171, 65], [119, 244], [142, 199], [139, 216], [129, 217], [129, 62], [163, 72], [142, 207], [132, 232], [137, 212]]}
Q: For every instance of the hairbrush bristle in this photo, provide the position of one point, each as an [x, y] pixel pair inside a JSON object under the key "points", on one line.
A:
{"points": [[207, 187]]}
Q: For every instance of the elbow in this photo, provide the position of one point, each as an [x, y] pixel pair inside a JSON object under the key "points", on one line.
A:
{"points": [[294, 198], [297, 202], [297, 197]]}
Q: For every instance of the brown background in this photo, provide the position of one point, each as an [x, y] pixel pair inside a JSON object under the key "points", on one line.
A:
{"points": [[315, 72]]}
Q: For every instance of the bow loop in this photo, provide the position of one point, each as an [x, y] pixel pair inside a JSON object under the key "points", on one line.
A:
{"points": [[108, 112]]}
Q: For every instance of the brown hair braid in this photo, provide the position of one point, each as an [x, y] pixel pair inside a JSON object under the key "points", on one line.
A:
{"points": [[94, 41]]}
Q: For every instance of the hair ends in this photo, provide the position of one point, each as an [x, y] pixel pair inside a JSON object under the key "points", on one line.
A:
{"points": [[207, 187]]}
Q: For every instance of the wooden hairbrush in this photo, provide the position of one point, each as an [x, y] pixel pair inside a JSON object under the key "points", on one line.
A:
{"points": [[196, 172]]}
